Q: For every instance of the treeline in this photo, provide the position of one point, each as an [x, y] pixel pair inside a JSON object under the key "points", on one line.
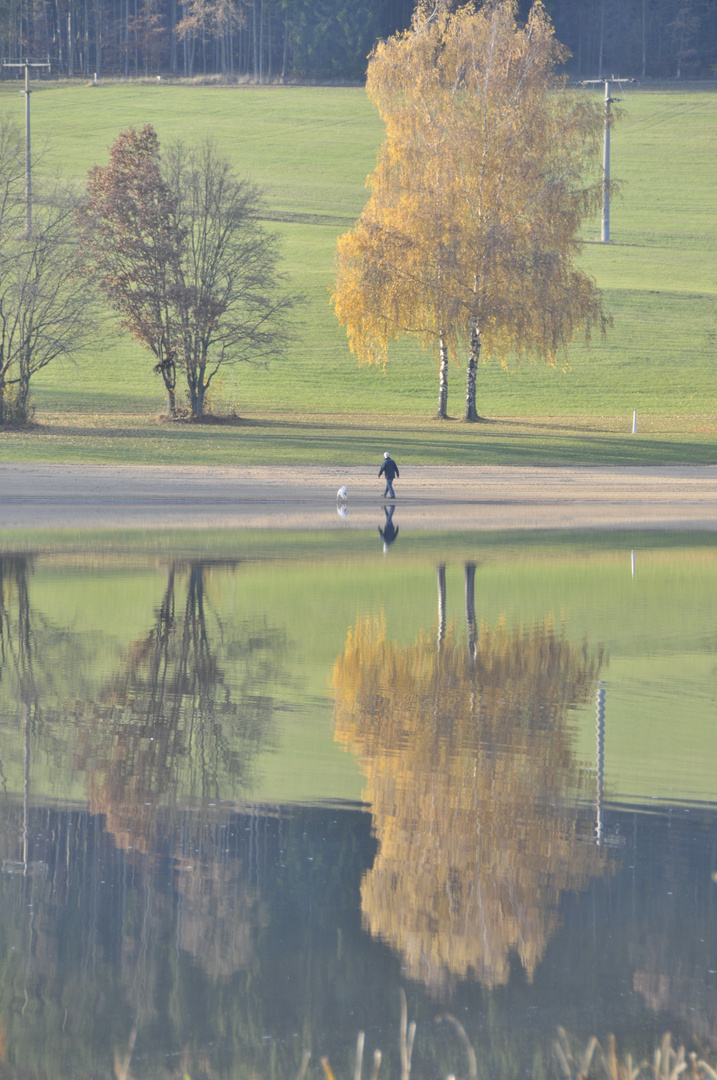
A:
{"points": [[653, 39], [268, 40], [263, 40]]}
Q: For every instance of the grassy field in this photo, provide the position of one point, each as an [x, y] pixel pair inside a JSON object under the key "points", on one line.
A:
{"points": [[311, 148]]}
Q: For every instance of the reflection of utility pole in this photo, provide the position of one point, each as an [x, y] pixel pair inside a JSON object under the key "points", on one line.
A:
{"points": [[599, 759], [27, 64], [26, 788], [605, 231], [441, 580]]}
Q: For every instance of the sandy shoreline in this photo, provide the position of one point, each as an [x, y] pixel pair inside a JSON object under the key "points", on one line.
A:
{"points": [[428, 497]]}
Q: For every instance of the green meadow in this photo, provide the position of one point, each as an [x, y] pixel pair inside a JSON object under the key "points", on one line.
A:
{"points": [[311, 149]]}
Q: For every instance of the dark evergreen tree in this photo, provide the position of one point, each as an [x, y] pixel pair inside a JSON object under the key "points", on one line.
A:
{"points": [[330, 39]]}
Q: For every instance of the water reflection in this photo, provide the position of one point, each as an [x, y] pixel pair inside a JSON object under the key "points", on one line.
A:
{"points": [[389, 532], [473, 780], [169, 708], [160, 912]]}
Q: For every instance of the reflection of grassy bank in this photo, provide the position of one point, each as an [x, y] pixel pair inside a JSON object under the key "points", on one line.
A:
{"points": [[268, 544], [658, 629]]}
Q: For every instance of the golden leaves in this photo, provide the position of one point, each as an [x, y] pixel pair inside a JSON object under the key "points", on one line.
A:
{"points": [[472, 780], [478, 194]]}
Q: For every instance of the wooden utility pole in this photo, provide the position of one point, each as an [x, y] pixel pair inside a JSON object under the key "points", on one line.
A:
{"points": [[27, 65]]}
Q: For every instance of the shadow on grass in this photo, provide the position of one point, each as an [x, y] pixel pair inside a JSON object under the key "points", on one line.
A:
{"points": [[281, 440]]}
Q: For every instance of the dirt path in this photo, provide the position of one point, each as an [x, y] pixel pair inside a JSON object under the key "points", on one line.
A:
{"points": [[446, 498]]}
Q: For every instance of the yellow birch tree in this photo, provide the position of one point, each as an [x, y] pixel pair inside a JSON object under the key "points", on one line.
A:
{"points": [[477, 796], [485, 176]]}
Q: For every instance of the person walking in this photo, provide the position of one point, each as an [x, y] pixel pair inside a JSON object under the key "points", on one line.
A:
{"points": [[389, 469]]}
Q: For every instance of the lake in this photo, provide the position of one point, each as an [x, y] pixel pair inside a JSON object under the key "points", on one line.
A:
{"points": [[266, 792]]}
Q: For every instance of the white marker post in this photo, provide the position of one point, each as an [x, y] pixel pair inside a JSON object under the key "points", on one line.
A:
{"points": [[634, 422]]}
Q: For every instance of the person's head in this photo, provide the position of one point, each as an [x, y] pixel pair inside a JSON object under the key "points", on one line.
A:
{"points": [[386, 454]]}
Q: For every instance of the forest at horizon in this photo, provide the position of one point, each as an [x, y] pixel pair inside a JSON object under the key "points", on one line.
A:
{"points": [[330, 40]]}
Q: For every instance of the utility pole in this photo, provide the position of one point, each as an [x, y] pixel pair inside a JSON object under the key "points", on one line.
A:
{"points": [[605, 230], [599, 760], [27, 65]]}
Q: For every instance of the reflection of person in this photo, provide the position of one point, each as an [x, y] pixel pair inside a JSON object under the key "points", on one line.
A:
{"points": [[389, 532], [389, 469]]}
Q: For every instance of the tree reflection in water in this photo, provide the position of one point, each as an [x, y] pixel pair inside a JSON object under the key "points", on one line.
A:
{"points": [[186, 710], [172, 717], [99, 939], [473, 781]]}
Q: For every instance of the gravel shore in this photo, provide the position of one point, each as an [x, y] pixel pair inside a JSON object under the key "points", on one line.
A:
{"points": [[428, 497]]}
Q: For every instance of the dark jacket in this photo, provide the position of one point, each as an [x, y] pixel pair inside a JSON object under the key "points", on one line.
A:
{"points": [[390, 468]]}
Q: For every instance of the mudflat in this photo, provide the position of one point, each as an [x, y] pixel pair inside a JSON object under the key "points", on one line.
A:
{"points": [[46, 496]]}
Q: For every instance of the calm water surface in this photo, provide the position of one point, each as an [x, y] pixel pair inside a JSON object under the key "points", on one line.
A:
{"points": [[252, 795]]}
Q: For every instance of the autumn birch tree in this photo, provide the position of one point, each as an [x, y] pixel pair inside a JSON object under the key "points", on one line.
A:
{"points": [[478, 799], [471, 234]]}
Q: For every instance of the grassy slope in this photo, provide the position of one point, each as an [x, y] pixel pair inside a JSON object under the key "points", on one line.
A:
{"points": [[312, 148]]}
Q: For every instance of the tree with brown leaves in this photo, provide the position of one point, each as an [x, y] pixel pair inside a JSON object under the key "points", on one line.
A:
{"points": [[176, 247]]}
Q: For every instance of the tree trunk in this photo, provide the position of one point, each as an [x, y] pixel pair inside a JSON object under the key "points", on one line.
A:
{"points": [[69, 42], [441, 582], [22, 397], [471, 415], [167, 368], [173, 37], [469, 573], [254, 42], [442, 412], [285, 51], [197, 392]]}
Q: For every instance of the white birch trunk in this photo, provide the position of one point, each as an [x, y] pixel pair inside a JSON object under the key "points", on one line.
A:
{"points": [[469, 574], [471, 414], [442, 413], [441, 582]]}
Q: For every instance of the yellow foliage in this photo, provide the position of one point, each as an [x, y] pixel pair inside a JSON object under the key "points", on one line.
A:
{"points": [[473, 782], [478, 194]]}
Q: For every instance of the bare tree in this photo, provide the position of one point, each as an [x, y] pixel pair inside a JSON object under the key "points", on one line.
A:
{"points": [[176, 246], [44, 312]]}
